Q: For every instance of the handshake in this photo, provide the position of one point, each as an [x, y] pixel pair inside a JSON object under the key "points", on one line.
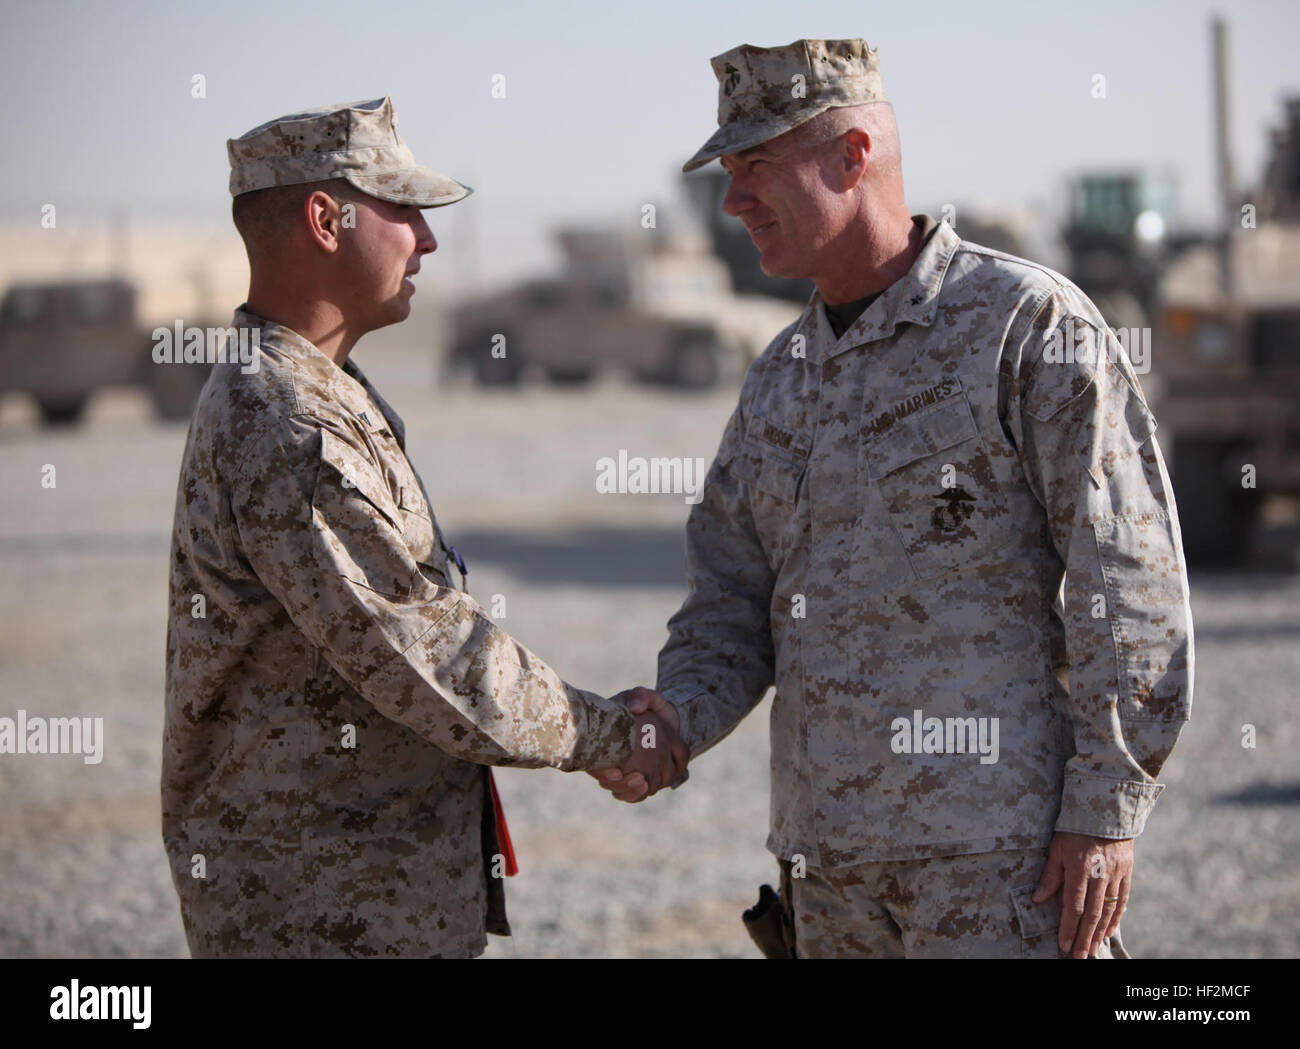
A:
{"points": [[659, 756]]}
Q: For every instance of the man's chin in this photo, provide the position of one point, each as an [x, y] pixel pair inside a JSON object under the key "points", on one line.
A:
{"points": [[387, 321], [772, 267], [399, 308]]}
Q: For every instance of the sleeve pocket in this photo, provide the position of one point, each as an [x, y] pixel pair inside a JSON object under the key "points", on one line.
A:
{"points": [[1147, 612], [357, 527], [354, 473]]}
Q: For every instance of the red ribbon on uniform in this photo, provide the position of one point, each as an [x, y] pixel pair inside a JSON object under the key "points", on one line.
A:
{"points": [[503, 832]]}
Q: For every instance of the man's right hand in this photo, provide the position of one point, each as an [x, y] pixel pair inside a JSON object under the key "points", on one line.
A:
{"points": [[659, 756]]}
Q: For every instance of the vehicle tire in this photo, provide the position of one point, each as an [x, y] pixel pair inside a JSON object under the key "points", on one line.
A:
{"points": [[175, 389], [489, 370], [62, 411], [569, 376], [694, 364], [1215, 512]]}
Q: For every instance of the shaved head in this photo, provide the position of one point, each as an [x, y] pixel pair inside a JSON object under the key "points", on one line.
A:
{"points": [[876, 119]]}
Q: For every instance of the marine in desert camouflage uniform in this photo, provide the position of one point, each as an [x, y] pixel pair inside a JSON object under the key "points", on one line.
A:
{"points": [[939, 505], [332, 698]]}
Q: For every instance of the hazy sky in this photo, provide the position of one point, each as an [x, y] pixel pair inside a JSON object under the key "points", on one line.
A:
{"points": [[605, 100]]}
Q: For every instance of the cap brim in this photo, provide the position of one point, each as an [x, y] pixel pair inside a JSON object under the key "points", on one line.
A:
{"points": [[738, 135], [421, 186]]}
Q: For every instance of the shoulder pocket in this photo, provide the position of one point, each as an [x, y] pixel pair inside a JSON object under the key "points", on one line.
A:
{"points": [[423, 537], [354, 474]]}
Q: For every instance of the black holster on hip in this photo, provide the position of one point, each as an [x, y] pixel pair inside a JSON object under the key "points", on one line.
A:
{"points": [[770, 922]]}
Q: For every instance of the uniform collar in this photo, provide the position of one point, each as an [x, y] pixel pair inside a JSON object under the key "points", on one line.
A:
{"points": [[314, 371], [911, 298]]}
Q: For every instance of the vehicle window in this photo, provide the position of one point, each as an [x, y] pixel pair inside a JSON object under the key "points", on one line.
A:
{"points": [[544, 296], [24, 306], [1276, 340], [91, 305]]}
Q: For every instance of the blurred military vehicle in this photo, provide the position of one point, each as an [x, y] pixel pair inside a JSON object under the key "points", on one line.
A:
{"points": [[1228, 356], [1223, 314], [1118, 238], [657, 306], [62, 341]]}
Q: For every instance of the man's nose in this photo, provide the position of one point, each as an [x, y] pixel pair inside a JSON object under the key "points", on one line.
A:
{"points": [[738, 200], [424, 239]]}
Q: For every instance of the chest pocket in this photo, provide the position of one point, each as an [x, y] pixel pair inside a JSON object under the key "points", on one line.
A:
{"points": [[772, 462], [929, 479]]}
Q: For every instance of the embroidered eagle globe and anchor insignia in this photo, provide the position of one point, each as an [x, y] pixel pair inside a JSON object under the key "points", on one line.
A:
{"points": [[954, 510]]}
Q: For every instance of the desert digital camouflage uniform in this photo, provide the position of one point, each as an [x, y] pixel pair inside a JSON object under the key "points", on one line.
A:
{"points": [[938, 512], [955, 510], [332, 703], [977, 905], [329, 604]]}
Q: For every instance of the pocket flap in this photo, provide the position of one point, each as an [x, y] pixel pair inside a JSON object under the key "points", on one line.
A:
{"points": [[359, 474], [917, 436], [766, 470], [1035, 919]]}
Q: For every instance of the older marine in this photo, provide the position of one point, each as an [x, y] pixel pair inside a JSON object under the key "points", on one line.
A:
{"points": [[947, 537]]}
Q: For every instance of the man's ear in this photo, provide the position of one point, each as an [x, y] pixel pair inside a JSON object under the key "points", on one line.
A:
{"points": [[855, 147], [323, 215]]}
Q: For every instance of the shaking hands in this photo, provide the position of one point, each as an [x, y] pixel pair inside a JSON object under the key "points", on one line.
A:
{"points": [[659, 756]]}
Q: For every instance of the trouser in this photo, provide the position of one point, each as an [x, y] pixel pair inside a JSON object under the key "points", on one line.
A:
{"points": [[974, 906]]}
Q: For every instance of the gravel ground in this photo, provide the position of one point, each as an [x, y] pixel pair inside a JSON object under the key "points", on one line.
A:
{"points": [[589, 581]]}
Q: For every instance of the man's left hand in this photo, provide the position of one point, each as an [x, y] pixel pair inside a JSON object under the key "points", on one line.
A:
{"points": [[1096, 874]]}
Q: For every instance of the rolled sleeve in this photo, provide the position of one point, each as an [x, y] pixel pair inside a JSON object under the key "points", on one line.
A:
{"points": [[1090, 454], [325, 536]]}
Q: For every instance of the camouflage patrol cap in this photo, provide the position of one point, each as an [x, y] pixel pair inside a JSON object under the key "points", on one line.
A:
{"points": [[766, 91], [356, 141]]}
